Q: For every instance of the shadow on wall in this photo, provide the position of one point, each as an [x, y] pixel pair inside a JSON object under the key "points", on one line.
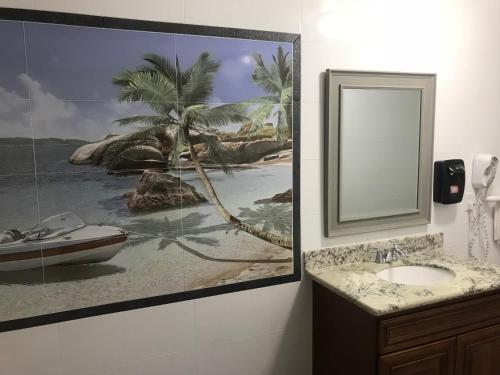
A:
{"points": [[294, 356]]}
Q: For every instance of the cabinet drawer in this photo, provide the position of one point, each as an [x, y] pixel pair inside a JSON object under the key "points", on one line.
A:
{"points": [[437, 358], [437, 323]]}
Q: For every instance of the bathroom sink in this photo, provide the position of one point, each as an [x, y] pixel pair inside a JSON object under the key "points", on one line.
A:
{"points": [[416, 275]]}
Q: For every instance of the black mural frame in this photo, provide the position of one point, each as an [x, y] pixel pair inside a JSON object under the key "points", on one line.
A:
{"points": [[11, 14]]}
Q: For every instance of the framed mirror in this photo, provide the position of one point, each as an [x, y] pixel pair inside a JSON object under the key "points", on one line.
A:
{"points": [[379, 143]]}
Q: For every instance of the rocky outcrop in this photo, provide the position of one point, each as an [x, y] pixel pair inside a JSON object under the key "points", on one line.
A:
{"points": [[246, 152], [270, 157], [285, 197], [156, 153], [280, 156], [135, 156], [139, 157], [162, 190], [92, 153]]}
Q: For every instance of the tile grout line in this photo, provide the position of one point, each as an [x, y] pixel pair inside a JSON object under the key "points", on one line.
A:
{"points": [[180, 186], [239, 340], [180, 168], [10, 175], [184, 10], [115, 100], [33, 145]]}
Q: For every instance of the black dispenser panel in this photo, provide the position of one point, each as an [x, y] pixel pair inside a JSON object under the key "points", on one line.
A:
{"points": [[449, 181]]}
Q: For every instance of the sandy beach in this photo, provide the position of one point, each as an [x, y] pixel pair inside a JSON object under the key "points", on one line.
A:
{"points": [[168, 251]]}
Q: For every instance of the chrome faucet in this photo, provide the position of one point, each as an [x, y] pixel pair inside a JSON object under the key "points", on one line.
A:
{"points": [[388, 256]]}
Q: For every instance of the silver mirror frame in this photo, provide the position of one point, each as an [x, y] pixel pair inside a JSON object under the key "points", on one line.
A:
{"points": [[335, 81]]}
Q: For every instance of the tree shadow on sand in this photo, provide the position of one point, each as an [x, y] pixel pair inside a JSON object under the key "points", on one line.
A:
{"points": [[58, 274], [269, 217], [181, 232], [187, 229]]}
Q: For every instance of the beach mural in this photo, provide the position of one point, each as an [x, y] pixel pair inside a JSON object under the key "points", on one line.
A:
{"points": [[138, 164]]}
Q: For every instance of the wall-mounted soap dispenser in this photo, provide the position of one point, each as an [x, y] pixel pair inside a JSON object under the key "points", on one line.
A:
{"points": [[449, 181]]}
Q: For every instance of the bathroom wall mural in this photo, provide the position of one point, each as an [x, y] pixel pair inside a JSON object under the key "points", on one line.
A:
{"points": [[142, 163]]}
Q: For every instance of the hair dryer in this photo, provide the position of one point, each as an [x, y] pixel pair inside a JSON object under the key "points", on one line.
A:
{"points": [[484, 168]]}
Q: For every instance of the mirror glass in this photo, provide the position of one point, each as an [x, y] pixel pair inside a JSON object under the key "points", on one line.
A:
{"points": [[379, 152]]}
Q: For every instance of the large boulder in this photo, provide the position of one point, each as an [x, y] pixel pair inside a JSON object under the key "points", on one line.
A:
{"points": [[139, 157], [245, 152], [92, 153], [286, 197], [162, 190], [150, 155]]}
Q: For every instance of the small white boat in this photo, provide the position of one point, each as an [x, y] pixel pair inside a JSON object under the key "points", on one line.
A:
{"points": [[60, 239]]}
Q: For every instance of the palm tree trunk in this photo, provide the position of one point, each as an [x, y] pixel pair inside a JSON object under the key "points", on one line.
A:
{"points": [[263, 235]]}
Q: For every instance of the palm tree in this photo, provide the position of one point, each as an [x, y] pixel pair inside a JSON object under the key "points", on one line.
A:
{"points": [[179, 100], [276, 81]]}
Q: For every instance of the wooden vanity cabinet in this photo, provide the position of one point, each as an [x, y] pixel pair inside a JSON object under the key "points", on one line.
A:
{"points": [[459, 337]]}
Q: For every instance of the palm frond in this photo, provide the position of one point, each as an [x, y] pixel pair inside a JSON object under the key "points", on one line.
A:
{"points": [[161, 65], [275, 78], [144, 119], [122, 78], [283, 67], [203, 117], [262, 99], [282, 126], [178, 78], [146, 136], [182, 76], [263, 78], [199, 82], [186, 114], [259, 115], [286, 96], [139, 86], [217, 152]]}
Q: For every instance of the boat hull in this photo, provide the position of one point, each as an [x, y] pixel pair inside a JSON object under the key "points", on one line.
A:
{"points": [[76, 252]]}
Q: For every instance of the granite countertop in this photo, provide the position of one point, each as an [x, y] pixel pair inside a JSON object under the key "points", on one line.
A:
{"points": [[350, 271]]}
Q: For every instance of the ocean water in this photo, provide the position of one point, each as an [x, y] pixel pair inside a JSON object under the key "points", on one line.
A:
{"points": [[168, 250], [97, 197]]}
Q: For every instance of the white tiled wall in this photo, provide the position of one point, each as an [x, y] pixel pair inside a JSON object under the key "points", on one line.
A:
{"points": [[268, 331]]}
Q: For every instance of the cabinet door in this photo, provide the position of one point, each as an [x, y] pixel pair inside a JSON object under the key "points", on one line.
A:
{"points": [[478, 352], [437, 358]]}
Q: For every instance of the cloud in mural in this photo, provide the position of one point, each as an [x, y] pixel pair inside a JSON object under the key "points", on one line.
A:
{"points": [[53, 117], [47, 111], [8, 100], [14, 111]]}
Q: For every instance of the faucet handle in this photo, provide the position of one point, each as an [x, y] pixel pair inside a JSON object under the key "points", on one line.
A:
{"points": [[380, 256], [399, 250]]}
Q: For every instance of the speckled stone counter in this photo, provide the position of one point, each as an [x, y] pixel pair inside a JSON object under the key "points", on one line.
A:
{"points": [[350, 271]]}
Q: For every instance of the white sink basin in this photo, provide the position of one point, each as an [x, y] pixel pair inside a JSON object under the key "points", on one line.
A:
{"points": [[416, 275]]}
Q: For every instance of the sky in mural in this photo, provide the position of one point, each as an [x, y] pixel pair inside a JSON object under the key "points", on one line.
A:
{"points": [[69, 69]]}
